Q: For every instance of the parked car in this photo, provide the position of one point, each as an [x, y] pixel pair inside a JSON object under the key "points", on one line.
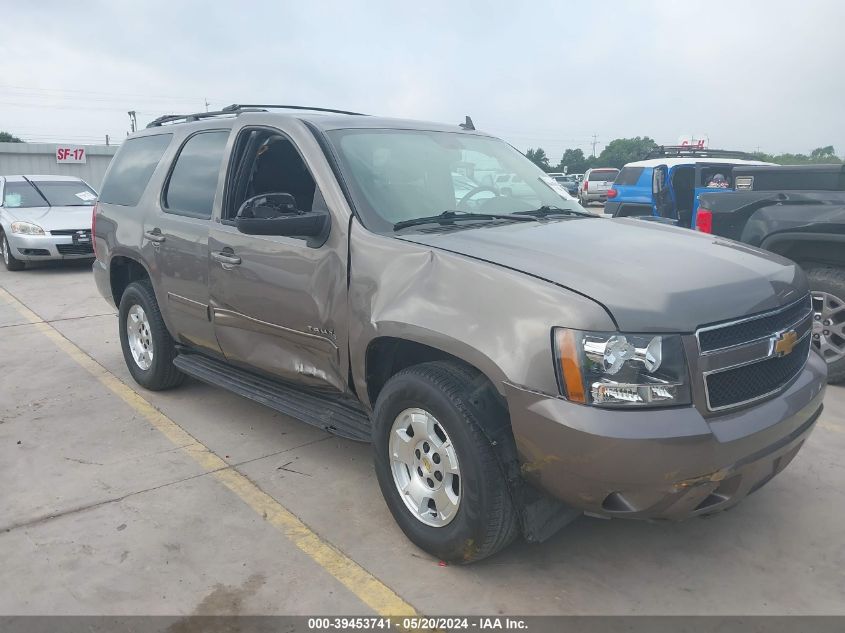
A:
{"points": [[570, 183], [668, 182], [322, 264], [798, 212], [595, 185], [44, 218]]}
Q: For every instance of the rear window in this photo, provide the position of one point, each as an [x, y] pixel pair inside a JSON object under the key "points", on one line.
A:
{"points": [[132, 168], [603, 174], [629, 176], [193, 181]]}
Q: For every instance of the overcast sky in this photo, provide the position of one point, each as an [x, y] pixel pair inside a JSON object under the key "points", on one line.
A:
{"points": [[749, 74]]}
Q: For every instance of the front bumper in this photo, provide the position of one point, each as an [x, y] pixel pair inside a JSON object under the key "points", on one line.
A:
{"points": [[33, 248], [661, 464]]}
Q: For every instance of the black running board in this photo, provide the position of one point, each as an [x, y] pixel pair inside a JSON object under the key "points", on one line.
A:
{"points": [[336, 414]]}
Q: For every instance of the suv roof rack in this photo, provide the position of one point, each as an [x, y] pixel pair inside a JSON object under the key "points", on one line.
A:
{"points": [[236, 109], [667, 151]]}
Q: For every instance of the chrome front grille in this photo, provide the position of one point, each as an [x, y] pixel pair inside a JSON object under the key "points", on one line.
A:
{"points": [[750, 359]]}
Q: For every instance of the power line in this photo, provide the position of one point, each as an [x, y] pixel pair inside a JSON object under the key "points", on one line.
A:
{"points": [[109, 93]]}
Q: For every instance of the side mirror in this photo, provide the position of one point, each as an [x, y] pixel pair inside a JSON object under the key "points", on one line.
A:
{"points": [[276, 214]]}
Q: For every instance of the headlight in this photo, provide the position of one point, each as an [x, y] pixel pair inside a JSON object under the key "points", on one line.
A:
{"points": [[27, 228], [611, 369]]}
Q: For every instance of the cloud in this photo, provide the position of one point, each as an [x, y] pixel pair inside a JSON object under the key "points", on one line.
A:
{"points": [[749, 74]]}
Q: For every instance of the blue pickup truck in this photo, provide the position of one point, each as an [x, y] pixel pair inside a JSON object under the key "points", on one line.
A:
{"points": [[667, 184]]}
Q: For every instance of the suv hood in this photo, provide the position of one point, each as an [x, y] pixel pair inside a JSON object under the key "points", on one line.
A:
{"points": [[53, 218], [650, 277]]}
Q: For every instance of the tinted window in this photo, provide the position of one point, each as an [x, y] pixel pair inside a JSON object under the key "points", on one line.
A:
{"points": [[629, 176], [603, 175], [193, 182], [22, 194], [132, 168], [67, 193]]}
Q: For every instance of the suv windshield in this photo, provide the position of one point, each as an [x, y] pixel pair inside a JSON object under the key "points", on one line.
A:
{"points": [[63, 193], [401, 175]]}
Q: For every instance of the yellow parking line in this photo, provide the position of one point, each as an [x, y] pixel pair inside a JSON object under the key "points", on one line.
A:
{"points": [[374, 593]]}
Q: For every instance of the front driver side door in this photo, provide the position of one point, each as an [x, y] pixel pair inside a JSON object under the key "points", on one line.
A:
{"points": [[278, 303]]}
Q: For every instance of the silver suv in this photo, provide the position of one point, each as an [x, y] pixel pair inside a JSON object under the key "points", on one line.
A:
{"points": [[595, 185], [331, 266]]}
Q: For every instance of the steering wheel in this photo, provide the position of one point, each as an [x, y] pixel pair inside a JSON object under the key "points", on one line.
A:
{"points": [[469, 194]]}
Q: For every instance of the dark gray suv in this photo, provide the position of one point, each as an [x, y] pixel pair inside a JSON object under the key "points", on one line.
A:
{"points": [[514, 359]]}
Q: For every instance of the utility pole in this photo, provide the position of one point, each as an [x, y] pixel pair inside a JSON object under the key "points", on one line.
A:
{"points": [[594, 143], [133, 122], [206, 103]]}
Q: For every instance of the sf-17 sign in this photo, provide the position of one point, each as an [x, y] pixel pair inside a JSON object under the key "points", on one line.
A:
{"points": [[70, 154]]}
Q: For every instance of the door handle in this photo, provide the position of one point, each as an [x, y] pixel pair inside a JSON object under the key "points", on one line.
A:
{"points": [[154, 236], [226, 257]]}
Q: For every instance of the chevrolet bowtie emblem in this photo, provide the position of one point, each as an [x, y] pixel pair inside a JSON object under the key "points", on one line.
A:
{"points": [[785, 342]]}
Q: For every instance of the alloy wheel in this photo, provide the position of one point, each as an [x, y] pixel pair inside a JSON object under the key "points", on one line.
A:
{"points": [[829, 325], [425, 467], [140, 337]]}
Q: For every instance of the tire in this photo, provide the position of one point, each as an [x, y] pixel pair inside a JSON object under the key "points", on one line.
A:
{"points": [[159, 372], [9, 260], [458, 399], [827, 284]]}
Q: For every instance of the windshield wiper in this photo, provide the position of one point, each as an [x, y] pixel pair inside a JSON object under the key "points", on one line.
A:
{"points": [[34, 186], [547, 210], [449, 216]]}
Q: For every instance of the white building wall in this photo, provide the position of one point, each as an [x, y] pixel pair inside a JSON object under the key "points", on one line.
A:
{"points": [[40, 158]]}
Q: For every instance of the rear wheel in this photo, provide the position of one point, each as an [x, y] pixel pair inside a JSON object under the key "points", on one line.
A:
{"points": [[148, 348], [8, 259], [436, 468], [827, 285]]}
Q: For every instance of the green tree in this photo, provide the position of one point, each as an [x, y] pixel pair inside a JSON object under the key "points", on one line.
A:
{"points": [[574, 162], [826, 154], [5, 137], [539, 158], [625, 150], [823, 153]]}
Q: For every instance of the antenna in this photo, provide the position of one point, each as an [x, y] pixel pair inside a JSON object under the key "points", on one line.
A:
{"points": [[467, 124]]}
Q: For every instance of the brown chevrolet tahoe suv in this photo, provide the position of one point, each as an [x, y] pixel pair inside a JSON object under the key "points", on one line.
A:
{"points": [[514, 360]]}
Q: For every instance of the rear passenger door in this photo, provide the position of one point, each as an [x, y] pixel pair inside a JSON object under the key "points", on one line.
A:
{"points": [[661, 193], [177, 235]]}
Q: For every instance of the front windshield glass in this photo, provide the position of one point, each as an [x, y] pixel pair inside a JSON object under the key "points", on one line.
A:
{"points": [[67, 193], [61, 193], [399, 175], [22, 194]]}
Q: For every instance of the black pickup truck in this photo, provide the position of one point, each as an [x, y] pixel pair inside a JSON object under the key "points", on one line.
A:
{"points": [[798, 212]]}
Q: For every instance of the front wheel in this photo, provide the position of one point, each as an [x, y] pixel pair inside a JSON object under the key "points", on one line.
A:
{"points": [[9, 260], [148, 348], [827, 286], [438, 473]]}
